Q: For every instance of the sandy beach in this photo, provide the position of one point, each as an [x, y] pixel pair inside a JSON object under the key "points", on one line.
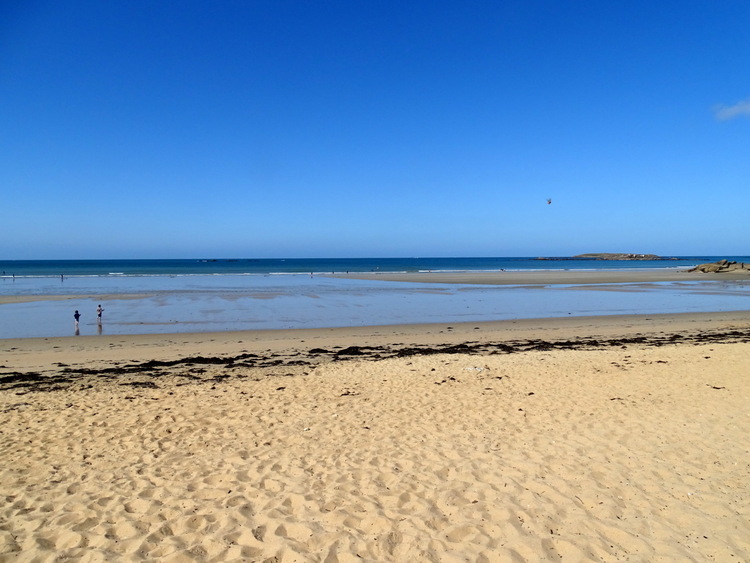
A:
{"points": [[574, 439], [552, 277]]}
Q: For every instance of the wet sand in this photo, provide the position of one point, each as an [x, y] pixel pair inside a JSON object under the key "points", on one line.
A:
{"points": [[552, 277], [588, 439], [5, 299], [210, 303]]}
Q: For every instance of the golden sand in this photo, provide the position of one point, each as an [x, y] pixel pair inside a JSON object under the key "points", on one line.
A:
{"points": [[603, 439]]}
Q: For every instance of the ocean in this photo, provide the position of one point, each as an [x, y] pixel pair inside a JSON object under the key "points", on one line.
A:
{"points": [[208, 295], [270, 266]]}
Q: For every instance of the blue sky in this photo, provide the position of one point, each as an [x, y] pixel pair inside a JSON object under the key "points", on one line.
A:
{"points": [[274, 128]]}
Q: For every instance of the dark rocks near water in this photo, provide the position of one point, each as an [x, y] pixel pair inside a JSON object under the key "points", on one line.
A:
{"points": [[722, 266]]}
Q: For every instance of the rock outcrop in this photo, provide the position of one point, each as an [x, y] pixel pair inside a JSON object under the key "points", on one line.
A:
{"points": [[722, 266]]}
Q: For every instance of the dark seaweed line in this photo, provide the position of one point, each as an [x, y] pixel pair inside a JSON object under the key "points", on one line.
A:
{"points": [[154, 368]]}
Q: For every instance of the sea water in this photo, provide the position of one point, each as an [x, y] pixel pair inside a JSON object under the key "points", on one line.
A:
{"points": [[209, 266], [165, 296]]}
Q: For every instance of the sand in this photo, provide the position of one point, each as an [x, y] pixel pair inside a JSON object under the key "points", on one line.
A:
{"points": [[553, 277], [586, 439], [6, 299]]}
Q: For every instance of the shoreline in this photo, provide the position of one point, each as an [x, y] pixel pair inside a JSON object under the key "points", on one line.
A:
{"points": [[366, 300], [334, 301], [464, 277], [549, 277], [147, 346], [12, 299]]}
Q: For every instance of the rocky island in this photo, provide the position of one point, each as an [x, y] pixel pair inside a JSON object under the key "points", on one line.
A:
{"points": [[619, 256], [609, 256]]}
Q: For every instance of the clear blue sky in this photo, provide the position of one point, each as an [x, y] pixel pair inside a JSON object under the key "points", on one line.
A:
{"points": [[274, 128]]}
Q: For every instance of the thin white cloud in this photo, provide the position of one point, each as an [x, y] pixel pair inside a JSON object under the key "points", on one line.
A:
{"points": [[739, 109]]}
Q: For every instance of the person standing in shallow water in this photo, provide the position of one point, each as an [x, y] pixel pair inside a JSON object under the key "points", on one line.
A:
{"points": [[99, 312], [77, 317]]}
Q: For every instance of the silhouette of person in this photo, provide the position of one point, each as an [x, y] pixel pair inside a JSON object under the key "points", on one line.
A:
{"points": [[99, 312]]}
